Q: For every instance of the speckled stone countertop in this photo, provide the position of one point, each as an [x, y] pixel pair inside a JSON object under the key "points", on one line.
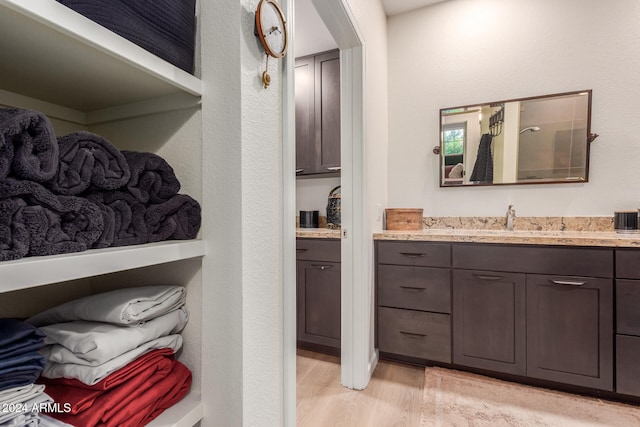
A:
{"points": [[528, 237], [567, 231], [317, 233]]}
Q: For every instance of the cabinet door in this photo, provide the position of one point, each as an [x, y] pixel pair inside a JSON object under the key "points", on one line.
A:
{"points": [[327, 109], [319, 303], [489, 321], [306, 149], [570, 330]]}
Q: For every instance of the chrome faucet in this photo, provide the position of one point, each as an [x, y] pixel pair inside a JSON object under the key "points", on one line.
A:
{"points": [[511, 214]]}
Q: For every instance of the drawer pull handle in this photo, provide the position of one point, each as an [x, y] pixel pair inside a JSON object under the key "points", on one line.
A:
{"points": [[299, 170], [412, 288], [322, 267], [334, 168], [487, 277], [412, 334], [568, 282], [301, 249], [412, 254]]}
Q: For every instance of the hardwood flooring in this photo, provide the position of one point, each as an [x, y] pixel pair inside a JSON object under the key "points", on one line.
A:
{"points": [[392, 398]]}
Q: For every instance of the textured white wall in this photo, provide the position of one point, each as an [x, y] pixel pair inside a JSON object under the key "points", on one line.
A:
{"points": [[242, 194], [473, 51]]}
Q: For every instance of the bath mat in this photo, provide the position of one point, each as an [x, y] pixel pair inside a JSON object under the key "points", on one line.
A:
{"points": [[455, 398]]}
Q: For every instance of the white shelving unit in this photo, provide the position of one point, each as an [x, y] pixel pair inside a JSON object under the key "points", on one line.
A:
{"points": [[72, 69]]}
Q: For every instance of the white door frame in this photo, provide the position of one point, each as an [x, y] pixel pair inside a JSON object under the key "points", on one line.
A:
{"points": [[357, 360]]}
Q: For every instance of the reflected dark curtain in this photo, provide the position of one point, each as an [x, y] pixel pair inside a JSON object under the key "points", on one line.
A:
{"points": [[483, 168]]}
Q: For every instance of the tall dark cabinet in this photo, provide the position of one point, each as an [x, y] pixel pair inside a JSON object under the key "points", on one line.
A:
{"points": [[318, 294], [317, 86]]}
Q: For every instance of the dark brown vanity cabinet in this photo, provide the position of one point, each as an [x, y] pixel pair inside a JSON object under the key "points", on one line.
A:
{"points": [[317, 87], [628, 322], [414, 300], [535, 312], [541, 312], [318, 293], [570, 330], [489, 329]]}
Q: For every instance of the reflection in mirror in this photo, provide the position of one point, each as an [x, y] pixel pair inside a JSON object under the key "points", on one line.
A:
{"points": [[531, 140]]}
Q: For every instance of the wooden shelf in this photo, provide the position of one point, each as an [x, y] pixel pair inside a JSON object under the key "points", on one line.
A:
{"points": [[186, 413], [53, 54], [31, 272]]}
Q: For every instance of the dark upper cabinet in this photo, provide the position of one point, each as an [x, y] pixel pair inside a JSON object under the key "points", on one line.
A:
{"points": [[489, 318], [317, 86], [570, 330]]}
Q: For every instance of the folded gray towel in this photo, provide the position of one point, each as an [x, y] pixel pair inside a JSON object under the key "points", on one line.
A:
{"points": [[152, 178], [107, 237], [14, 238], [88, 159], [56, 224], [176, 219], [35, 147], [129, 227]]}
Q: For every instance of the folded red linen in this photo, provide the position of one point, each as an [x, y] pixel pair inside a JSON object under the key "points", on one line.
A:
{"points": [[131, 403]]}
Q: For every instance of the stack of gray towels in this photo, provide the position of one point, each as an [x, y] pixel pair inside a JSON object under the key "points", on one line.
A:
{"points": [[78, 192]]}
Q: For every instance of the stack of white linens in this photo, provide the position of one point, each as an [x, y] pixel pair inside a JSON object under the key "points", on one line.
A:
{"points": [[20, 365], [106, 353]]}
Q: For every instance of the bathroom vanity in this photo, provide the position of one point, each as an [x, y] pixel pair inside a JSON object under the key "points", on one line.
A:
{"points": [[558, 309], [318, 291]]}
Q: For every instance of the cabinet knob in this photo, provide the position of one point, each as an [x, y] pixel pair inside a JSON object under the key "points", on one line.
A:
{"points": [[322, 267]]}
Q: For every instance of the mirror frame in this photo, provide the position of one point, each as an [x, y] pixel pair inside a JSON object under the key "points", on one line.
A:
{"points": [[439, 149]]}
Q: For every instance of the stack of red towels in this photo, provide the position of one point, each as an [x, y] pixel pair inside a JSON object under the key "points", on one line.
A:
{"points": [[111, 356]]}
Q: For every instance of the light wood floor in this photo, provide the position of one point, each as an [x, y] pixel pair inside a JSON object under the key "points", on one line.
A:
{"points": [[392, 398]]}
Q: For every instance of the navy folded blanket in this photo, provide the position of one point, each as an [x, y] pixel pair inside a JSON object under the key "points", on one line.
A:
{"points": [[20, 361], [165, 28], [176, 219], [56, 224], [88, 159], [152, 178], [28, 145], [14, 237], [127, 224]]}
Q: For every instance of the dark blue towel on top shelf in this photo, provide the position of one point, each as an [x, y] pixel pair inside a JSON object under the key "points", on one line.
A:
{"points": [[165, 28]]}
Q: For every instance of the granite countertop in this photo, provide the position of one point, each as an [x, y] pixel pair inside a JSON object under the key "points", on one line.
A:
{"points": [[318, 233], [531, 237]]}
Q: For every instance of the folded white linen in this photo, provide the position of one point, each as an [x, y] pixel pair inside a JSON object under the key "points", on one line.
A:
{"points": [[94, 343], [24, 412], [47, 421], [17, 395], [93, 374], [121, 307]]}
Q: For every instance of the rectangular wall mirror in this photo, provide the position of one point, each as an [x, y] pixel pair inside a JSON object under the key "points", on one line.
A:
{"points": [[543, 139]]}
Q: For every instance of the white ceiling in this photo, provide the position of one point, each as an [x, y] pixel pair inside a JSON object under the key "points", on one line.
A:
{"points": [[312, 35], [394, 7]]}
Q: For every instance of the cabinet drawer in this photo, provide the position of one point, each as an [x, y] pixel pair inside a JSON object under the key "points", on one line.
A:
{"points": [[415, 334], [627, 304], [415, 254], [318, 250], [627, 366], [569, 261], [627, 263], [416, 288]]}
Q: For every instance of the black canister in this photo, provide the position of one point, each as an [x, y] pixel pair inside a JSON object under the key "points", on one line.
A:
{"points": [[308, 219], [333, 208], [625, 222]]}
